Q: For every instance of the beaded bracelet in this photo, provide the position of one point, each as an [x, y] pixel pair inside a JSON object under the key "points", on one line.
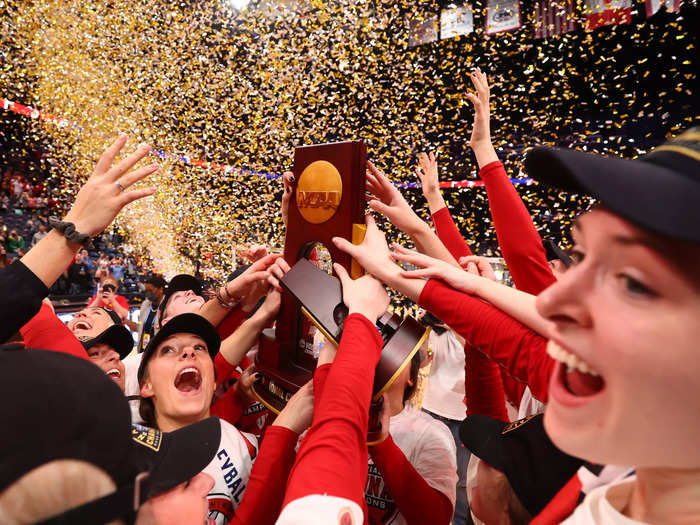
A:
{"points": [[67, 229], [223, 302]]}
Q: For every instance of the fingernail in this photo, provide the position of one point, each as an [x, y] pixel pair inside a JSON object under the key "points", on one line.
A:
{"points": [[292, 179], [155, 166], [143, 145]]}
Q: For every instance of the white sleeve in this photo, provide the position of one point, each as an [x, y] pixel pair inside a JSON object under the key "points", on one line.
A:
{"points": [[436, 459]]}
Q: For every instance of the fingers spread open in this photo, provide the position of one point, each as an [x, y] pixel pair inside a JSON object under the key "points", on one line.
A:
{"points": [[109, 155], [126, 164], [136, 175], [134, 195]]}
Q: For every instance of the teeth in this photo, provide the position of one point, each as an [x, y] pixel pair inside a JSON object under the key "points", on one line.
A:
{"points": [[82, 325], [572, 361], [113, 371], [189, 369]]}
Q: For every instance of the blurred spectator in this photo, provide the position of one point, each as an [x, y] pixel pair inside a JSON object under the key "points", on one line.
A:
{"points": [[102, 267], [15, 242], [3, 257], [107, 297], [79, 276], [4, 202], [117, 269], [155, 288], [87, 260], [40, 234]]}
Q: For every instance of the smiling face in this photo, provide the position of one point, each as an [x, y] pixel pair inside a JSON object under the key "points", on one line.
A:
{"points": [[180, 380], [182, 302], [108, 360], [89, 323], [626, 388]]}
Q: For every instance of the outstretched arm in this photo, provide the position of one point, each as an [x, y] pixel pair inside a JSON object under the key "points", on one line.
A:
{"points": [[389, 202], [518, 239], [25, 283]]}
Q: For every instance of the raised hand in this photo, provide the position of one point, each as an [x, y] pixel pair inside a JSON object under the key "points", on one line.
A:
{"points": [[251, 285], [269, 308], [481, 133], [365, 295], [298, 414], [373, 253], [478, 266], [287, 179], [254, 253], [389, 202], [427, 172], [103, 196], [432, 268]]}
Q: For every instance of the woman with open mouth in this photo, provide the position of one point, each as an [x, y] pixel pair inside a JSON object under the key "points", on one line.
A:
{"points": [[622, 326], [177, 381]]}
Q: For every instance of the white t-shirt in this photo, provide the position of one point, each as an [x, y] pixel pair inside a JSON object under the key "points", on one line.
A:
{"points": [[603, 505], [444, 391], [230, 469], [131, 384], [429, 446]]}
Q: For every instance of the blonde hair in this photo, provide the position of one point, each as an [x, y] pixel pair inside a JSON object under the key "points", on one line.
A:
{"points": [[53, 488]]}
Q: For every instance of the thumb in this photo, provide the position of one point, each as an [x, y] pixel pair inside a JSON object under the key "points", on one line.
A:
{"points": [[344, 245], [341, 273]]}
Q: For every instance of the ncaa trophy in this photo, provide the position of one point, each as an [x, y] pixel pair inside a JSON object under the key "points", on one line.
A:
{"points": [[328, 200]]}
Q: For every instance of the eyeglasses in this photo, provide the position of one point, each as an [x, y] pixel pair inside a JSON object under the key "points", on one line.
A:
{"points": [[109, 288]]}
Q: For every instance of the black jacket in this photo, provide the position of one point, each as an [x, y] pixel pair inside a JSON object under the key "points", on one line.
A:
{"points": [[21, 293]]}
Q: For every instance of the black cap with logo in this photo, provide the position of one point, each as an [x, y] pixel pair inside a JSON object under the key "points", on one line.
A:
{"points": [[179, 283], [660, 191], [69, 409], [535, 468]]}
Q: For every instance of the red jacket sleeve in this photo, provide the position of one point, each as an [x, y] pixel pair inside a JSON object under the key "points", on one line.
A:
{"points": [[332, 458], [488, 395], [520, 243], [229, 408], [223, 368], [46, 331], [521, 351], [262, 500], [231, 322], [417, 501], [483, 386], [448, 233]]}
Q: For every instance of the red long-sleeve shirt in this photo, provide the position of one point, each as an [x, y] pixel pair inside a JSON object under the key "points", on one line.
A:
{"points": [[46, 331], [521, 245], [262, 500], [332, 459], [416, 500], [484, 385], [521, 351]]}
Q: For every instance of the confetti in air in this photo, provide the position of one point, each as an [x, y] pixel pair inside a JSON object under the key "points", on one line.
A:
{"points": [[242, 88]]}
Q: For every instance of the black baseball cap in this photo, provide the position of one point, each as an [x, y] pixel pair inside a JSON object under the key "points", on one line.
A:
{"points": [[659, 191], [553, 252], [113, 315], [535, 468], [117, 337], [85, 416], [188, 323], [179, 283]]}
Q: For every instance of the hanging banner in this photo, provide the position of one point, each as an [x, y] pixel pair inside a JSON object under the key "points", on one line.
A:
{"points": [[423, 31], [554, 17], [653, 6], [502, 15], [601, 13], [456, 22]]}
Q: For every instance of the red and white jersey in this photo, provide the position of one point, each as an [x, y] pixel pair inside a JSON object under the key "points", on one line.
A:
{"points": [[430, 448], [230, 469]]}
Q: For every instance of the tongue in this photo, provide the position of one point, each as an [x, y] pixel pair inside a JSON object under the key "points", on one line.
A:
{"points": [[582, 384], [187, 382]]}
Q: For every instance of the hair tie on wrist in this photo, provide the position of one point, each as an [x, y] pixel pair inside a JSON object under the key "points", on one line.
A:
{"points": [[67, 229]]}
